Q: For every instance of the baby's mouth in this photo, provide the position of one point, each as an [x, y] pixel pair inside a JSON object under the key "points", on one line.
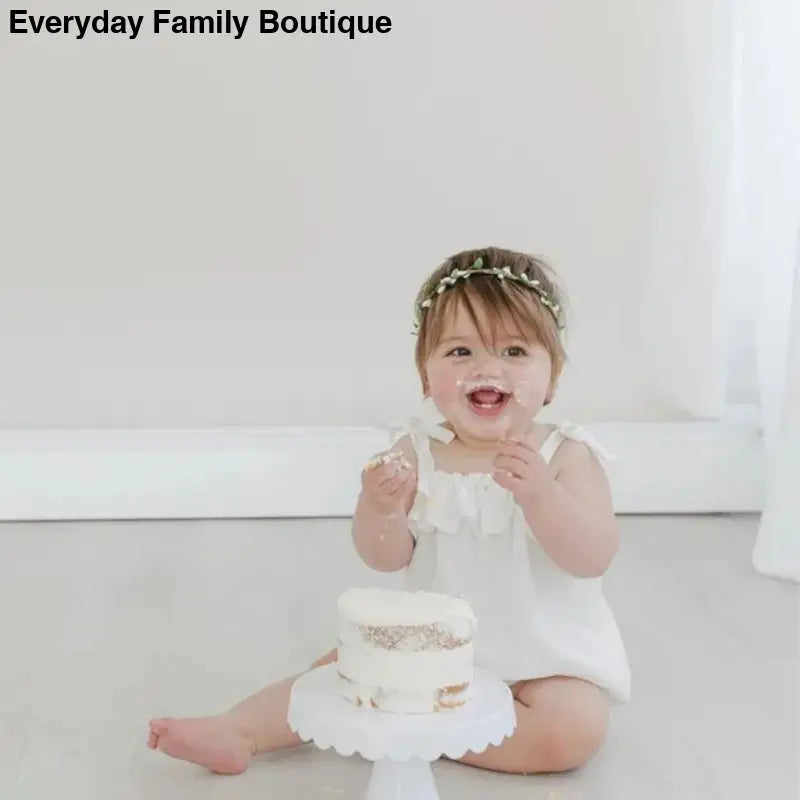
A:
{"points": [[488, 399]]}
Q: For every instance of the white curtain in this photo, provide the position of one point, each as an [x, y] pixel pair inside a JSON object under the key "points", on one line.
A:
{"points": [[685, 306], [726, 221], [777, 550], [767, 225]]}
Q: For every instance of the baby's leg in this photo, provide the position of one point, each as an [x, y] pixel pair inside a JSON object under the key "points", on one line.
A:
{"points": [[561, 724], [225, 743]]}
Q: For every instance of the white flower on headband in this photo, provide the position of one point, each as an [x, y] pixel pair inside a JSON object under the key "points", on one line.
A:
{"points": [[501, 274]]}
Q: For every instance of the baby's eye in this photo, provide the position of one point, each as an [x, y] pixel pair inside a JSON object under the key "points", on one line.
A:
{"points": [[459, 351], [514, 351]]}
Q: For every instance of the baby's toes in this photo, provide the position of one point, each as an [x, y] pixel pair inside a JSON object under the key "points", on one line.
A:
{"points": [[159, 726]]}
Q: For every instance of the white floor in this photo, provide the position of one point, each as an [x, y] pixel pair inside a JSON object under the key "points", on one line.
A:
{"points": [[105, 624]]}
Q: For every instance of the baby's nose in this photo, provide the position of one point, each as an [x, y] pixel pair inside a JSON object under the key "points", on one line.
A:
{"points": [[488, 366]]}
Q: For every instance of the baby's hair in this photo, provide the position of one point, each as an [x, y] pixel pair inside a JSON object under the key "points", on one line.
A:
{"points": [[503, 284]]}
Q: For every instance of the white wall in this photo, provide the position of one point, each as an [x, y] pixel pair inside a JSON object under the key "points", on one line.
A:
{"points": [[206, 232]]}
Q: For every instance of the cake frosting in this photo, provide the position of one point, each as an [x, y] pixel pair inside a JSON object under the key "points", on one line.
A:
{"points": [[405, 652]]}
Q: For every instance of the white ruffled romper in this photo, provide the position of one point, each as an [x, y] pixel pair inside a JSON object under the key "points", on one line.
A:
{"points": [[534, 619]]}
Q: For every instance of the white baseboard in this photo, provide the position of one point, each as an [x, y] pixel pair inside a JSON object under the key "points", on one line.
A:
{"points": [[694, 467]]}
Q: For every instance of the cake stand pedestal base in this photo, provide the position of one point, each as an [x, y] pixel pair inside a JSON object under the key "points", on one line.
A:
{"points": [[402, 780], [401, 746]]}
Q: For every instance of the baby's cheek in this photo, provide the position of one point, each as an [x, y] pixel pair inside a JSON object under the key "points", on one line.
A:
{"points": [[529, 388], [445, 384], [447, 393]]}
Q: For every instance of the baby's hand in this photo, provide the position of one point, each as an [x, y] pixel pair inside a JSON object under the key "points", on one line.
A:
{"points": [[520, 469], [389, 482]]}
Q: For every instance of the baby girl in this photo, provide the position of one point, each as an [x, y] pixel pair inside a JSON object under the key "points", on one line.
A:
{"points": [[477, 499]]}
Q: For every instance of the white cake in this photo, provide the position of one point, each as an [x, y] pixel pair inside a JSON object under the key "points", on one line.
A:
{"points": [[405, 652]]}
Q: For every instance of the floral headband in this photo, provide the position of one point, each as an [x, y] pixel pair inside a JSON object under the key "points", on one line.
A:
{"points": [[477, 268]]}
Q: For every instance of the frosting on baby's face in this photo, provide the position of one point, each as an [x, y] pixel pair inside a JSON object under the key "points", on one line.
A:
{"points": [[487, 390]]}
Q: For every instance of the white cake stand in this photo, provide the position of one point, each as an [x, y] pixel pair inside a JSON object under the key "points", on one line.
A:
{"points": [[401, 746]]}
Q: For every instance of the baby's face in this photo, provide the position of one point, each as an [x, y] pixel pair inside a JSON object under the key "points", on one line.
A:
{"points": [[486, 390]]}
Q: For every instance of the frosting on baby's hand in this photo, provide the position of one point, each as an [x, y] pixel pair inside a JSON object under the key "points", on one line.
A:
{"points": [[392, 457]]}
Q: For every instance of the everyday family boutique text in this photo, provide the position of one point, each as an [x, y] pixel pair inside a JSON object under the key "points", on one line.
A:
{"points": [[223, 22]]}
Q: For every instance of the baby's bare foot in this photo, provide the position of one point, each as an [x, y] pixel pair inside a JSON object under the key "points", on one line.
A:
{"points": [[216, 743]]}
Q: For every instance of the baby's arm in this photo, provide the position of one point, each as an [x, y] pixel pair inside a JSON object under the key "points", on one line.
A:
{"points": [[574, 519], [567, 505], [380, 523]]}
